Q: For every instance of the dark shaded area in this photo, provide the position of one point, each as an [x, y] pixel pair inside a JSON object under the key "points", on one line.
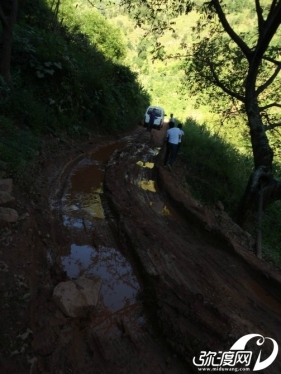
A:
{"points": [[62, 85]]}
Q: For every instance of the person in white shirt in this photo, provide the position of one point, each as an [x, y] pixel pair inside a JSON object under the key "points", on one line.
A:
{"points": [[172, 141]]}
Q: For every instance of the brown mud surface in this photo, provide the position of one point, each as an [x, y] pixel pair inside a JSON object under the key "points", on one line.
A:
{"points": [[178, 277]]}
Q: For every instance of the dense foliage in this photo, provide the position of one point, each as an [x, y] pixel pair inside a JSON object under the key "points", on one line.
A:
{"points": [[67, 76]]}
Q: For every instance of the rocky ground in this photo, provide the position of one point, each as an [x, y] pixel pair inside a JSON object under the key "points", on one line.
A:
{"points": [[202, 288]]}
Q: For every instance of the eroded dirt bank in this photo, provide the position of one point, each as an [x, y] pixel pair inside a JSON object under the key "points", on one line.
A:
{"points": [[200, 287], [207, 286]]}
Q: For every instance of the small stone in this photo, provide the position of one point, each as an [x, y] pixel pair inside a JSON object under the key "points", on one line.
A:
{"points": [[208, 227], [8, 215], [6, 185], [3, 165], [219, 205], [75, 298], [24, 216], [6, 198]]}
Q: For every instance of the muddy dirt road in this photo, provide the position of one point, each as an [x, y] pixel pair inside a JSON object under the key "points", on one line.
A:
{"points": [[178, 278]]}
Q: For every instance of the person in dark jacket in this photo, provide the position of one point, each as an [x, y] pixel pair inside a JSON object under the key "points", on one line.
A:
{"points": [[151, 120]]}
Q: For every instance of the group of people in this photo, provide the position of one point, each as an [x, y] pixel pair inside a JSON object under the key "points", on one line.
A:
{"points": [[173, 141]]}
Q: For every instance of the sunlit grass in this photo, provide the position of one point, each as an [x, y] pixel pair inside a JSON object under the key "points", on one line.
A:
{"points": [[217, 171]]}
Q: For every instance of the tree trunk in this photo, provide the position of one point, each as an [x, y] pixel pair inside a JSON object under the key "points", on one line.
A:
{"points": [[6, 53], [262, 152], [8, 13], [259, 231]]}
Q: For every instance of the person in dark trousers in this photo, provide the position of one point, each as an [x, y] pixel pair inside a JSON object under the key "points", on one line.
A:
{"points": [[151, 120], [172, 141], [168, 148]]}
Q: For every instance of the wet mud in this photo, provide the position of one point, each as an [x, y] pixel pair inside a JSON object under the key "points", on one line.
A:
{"points": [[119, 337], [178, 278]]}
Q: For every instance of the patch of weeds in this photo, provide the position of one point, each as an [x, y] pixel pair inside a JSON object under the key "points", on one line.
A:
{"points": [[17, 146], [271, 233], [12, 303]]}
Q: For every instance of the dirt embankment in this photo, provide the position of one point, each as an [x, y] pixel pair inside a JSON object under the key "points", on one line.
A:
{"points": [[208, 287], [202, 285]]}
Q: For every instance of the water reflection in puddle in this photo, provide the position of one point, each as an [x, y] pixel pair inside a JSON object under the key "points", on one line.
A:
{"points": [[148, 185], [82, 197], [83, 214], [145, 164], [119, 287]]}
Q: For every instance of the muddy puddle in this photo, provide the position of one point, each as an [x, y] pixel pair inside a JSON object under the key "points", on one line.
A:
{"points": [[93, 249]]}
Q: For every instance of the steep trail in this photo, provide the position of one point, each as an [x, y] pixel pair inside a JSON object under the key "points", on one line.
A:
{"points": [[118, 337], [208, 288], [179, 277]]}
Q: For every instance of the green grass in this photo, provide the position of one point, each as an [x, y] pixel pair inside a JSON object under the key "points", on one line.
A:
{"points": [[18, 146], [271, 228], [218, 171]]}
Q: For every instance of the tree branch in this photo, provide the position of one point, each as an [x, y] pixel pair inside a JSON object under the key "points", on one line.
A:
{"points": [[270, 106], [9, 20], [223, 87], [3, 18], [14, 12], [259, 14], [272, 126], [240, 43], [273, 4], [270, 59], [269, 81], [105, 7], [268, 30]]}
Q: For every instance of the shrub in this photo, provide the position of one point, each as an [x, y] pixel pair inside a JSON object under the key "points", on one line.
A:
{"points": [[17, 146]]}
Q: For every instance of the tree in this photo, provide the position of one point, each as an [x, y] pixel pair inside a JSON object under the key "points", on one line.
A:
{"points": [[238, 67], [8, 14], [245, 65]]}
